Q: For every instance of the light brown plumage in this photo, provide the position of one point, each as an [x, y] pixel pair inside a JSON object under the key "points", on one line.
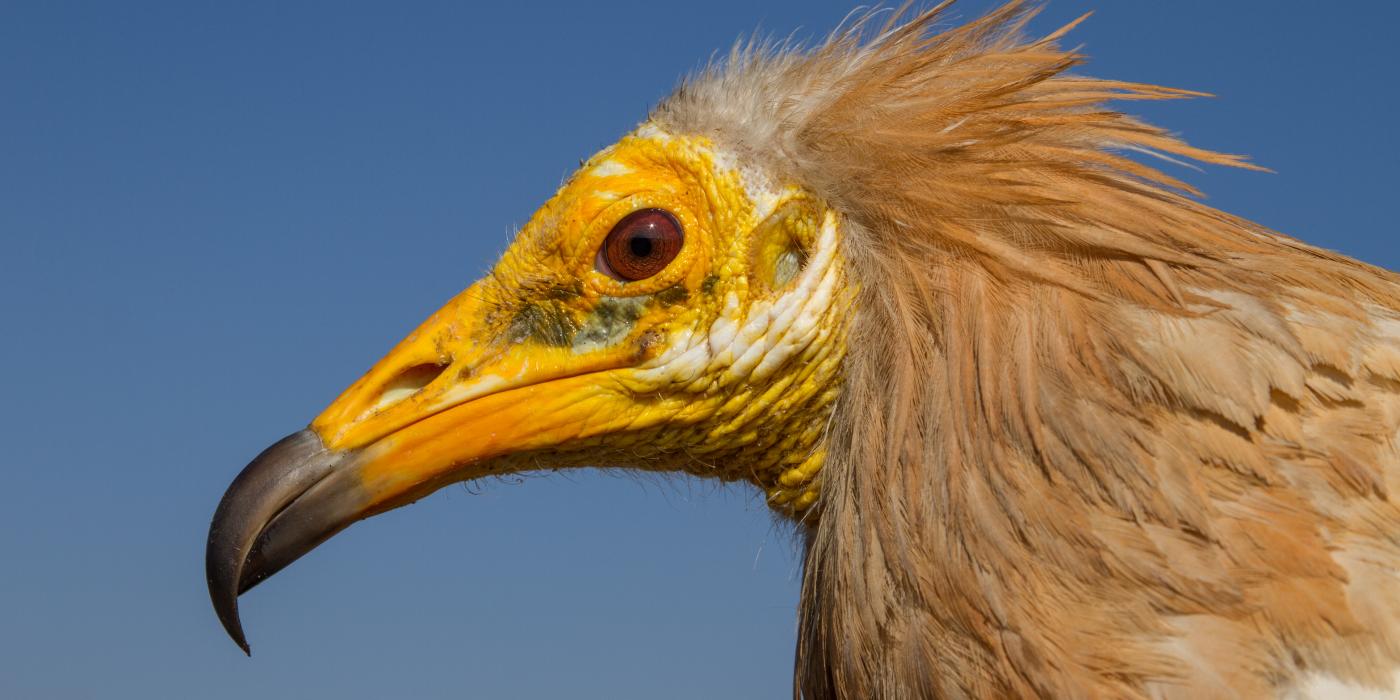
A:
{"points": [[1097, 439]]}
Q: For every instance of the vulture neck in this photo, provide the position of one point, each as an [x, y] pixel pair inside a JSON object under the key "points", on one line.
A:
{"points": [[1175, 483], [1094, 438]]}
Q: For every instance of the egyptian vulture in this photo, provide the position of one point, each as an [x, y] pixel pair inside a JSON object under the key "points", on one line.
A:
{"points": [[1046, 424]]}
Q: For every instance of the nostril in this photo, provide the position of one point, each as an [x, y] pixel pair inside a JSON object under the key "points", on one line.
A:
{"points": [[408, 383]]}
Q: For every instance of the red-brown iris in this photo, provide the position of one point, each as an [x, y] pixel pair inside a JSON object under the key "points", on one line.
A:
{"points": [[642, 244]]}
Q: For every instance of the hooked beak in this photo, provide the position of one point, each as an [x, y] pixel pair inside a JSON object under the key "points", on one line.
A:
{"points": [[417, 421], [292, 497]]}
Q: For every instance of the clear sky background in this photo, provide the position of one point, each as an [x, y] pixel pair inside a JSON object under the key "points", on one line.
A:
{"points": [[215, 216]]}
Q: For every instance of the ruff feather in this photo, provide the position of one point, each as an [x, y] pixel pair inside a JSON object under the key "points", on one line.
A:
{"points": [[1096, 438]]}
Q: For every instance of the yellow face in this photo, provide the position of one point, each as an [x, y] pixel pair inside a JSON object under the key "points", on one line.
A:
{"points": [[663, 311], [707, 338]]}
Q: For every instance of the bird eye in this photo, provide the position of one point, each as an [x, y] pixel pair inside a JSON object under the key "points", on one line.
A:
{"points": [[642, 244]]}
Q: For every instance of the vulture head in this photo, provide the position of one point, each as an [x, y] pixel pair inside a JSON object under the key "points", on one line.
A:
{"points": [[1046, 424]]}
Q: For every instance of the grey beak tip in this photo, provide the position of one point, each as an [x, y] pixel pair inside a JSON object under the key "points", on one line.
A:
{"points": [[283, 504], [274, 478], [223, 564], [226, 607]]}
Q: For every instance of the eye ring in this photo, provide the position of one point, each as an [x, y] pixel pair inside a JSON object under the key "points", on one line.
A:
{"points": [[640, 245]]}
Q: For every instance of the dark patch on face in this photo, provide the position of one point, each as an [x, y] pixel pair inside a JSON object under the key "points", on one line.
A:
{"points": [[611, 320], [612, 310], [546, 324], [671, 296], [708, 286]]}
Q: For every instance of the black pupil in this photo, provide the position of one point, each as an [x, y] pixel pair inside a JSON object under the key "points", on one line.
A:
{"points": [[640, 244]]}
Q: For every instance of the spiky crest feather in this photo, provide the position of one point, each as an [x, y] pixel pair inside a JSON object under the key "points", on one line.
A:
{"points": [[1096, 438]]}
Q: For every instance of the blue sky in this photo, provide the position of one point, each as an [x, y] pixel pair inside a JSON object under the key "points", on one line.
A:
{"points": [[217, 215]]}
